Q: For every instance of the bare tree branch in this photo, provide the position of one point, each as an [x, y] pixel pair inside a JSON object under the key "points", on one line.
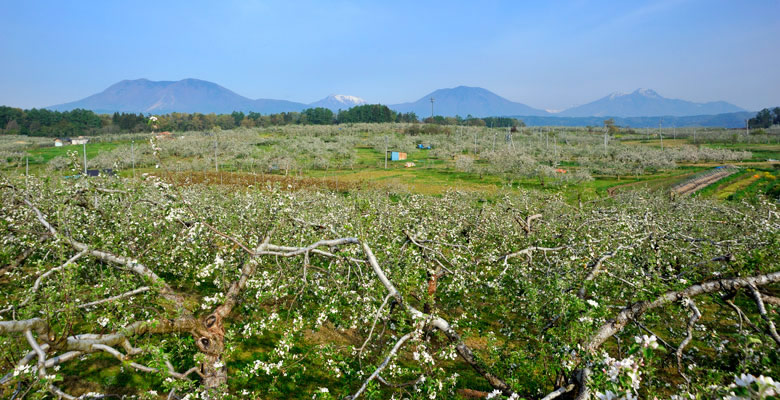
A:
{"points": [[695, 315], [43, 276], [117, 297], [526, 224], [400, 385], [762, 311], [595, 268], [634, 310], [775, 301], [558, 392], [527, 252], [381, 366], [463, 350], [131, 264], [373, 325]]}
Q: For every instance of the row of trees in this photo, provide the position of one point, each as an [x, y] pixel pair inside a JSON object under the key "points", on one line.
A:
{"points": [[765, 118], [15, 121], [42, 122], [492, 122]]}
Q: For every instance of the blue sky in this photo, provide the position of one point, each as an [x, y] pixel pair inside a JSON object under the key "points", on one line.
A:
{"points": [[551, 54]]}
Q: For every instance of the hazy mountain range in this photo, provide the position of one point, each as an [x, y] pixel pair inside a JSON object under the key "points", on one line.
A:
{"points": [[646, 102], [193, 95], [465, 100], [726, 120], [186, 95]]}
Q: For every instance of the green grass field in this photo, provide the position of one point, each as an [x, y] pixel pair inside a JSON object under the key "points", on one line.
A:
{"points": [[43, 155], [434, 176]]}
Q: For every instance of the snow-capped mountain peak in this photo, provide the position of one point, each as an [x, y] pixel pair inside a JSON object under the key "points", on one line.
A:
{"points": [[647, 92], [346, 99], [338, 102]]}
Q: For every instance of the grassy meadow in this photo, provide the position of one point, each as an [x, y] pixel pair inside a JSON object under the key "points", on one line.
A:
{"points": [[461, 158]]}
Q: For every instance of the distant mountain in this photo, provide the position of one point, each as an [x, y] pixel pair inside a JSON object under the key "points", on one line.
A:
{"points": [[729, 120], [337, 102], [186, 95], [193, 95], [465, 100], [645, 103]]}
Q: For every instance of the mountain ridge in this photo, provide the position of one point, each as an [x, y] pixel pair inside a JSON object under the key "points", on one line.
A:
{"points": [[727, 120], [646, 103], [195, 95], [186, 95], [465, 100]]}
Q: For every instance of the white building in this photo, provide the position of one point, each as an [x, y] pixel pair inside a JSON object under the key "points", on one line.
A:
{"points": [[79, 140]]}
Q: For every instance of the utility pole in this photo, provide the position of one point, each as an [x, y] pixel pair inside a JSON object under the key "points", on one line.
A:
{"points": [[475, 142], [605, 138], [511, 141], [747, 127], [27, 166], [694, 135], [432, 100], [385, 151], [132, 155], [216, 164], [85, 159], [660, 135], [546, 140]]}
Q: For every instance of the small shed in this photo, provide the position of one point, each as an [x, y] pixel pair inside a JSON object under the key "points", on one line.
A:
{"points": [[58, 142], [397, 156]]}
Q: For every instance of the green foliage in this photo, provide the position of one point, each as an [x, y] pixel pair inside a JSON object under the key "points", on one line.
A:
{"points": [[42, 122], [372, 113], [502, 122], [317, 116], [765, 118], [291, 336]]}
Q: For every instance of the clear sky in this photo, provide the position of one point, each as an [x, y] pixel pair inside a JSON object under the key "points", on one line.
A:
{"points": [[548, 54]]}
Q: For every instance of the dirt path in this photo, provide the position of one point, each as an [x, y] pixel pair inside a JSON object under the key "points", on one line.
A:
{"points": [[661, 182], [703, 181]]}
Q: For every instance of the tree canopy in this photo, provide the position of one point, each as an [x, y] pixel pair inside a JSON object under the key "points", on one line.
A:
{"points": [[765, 118]]}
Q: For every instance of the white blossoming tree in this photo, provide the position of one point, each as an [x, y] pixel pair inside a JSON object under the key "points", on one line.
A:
{"points": [[213, 292]]}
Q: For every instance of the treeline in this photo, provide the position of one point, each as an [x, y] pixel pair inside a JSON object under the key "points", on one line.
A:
{"points": [[765, 118], [490, 122], [35, 122], [42, 122]]}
